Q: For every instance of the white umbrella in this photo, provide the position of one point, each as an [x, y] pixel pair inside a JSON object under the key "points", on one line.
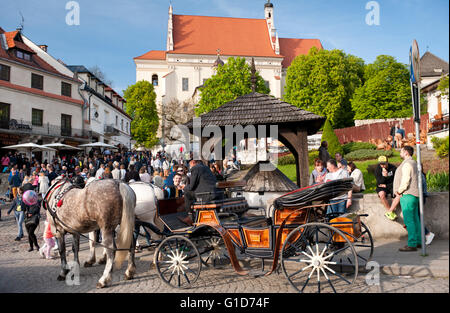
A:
{"points": [[29, 147], [98, 145], [61, 146]]}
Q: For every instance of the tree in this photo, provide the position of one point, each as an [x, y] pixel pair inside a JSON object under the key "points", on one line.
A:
{"points": [[231, 81], [141, 106], [330, 137], [323, 82], [443, 86], [386, 92], [100, 75], [175, 113]]}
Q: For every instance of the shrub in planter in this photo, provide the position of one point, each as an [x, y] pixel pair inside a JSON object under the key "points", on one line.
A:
{"points": [[437, 182], [441, 145], [367, 154], [354, 146], [287, 159]]}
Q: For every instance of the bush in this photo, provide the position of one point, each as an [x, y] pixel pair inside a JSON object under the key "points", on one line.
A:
{"points": [[437, 182], [367, 154], [329, 136], [287, 159], [354, 146], [441, 145], [312, 156]]}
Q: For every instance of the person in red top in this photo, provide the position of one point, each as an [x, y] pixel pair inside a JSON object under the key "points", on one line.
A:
{"points": [[49, 240]]}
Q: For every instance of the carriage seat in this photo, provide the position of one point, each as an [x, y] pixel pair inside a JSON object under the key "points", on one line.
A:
{"points": [[227, 205], [251, 221]]}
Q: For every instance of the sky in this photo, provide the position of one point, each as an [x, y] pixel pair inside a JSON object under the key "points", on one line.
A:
{"points": [[112, 32]]}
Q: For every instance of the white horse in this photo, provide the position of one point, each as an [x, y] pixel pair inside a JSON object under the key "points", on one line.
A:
{"points": [[147, 196]]}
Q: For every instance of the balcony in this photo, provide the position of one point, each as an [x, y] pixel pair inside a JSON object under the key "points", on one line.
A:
{"points": [[47, 129], [110, 130]]}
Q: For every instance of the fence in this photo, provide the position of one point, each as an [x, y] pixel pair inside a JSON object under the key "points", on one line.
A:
{"points": [[46, 129], [379, 130]]}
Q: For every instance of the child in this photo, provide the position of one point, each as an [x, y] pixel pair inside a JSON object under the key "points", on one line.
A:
{"points": [[43, 184], [45, 251]]}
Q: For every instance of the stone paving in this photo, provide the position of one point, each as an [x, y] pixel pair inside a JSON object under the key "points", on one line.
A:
{"points": [[22, 271]]}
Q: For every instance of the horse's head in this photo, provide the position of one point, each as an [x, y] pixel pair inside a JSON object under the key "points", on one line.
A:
{"points": [[58, 184]]}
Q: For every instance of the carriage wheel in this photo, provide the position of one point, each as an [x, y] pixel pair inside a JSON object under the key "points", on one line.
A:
{"points": [[214, 251], [364, 246], [313, 262], [178, 262]]}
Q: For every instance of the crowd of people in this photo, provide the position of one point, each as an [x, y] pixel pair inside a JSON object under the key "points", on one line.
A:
{"points": [[168, 172], [182, 176]]}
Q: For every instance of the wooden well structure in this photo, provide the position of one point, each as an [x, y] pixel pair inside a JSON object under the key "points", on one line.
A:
{"points": [[294, 124]]}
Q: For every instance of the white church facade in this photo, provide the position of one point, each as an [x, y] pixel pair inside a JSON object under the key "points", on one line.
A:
{"points": [[193, 44]]}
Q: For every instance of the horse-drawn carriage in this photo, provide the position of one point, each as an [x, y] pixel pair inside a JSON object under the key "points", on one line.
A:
{"points": [[316, 251]]}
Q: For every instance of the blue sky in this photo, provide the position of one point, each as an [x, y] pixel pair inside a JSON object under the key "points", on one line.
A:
{"points": [[112, 32]]}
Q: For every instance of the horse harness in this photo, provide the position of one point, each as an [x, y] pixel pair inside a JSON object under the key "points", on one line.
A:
{"points": [[59, 201]]}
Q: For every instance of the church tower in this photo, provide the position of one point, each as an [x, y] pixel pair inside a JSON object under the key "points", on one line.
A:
{"points": [[268, 14], [170, 30]]}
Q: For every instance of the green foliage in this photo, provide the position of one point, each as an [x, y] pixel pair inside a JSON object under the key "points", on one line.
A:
{"points": [[323, 82], [441, 145], [233, 79], [141, 107], [312, 156], [286, 159], [437, 182], [329, 136], [367, 154], [353, 146], [443, 86], [386, 92]]}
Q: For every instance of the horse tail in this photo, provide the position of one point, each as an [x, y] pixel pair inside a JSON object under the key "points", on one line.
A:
{"points": [[125, 235]]}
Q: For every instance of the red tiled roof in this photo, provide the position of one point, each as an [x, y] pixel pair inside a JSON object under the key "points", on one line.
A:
{"points": [[152, 55], [291, 47], [39, 92], [233, 36], [13, 40]]}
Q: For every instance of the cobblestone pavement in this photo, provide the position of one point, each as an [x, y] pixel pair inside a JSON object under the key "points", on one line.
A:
{"points": [[22, 271]]}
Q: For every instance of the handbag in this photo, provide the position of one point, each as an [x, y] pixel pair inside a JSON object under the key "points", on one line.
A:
{"points": [[32, 220]]}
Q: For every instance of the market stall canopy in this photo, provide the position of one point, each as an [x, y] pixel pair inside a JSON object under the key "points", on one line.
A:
{"points": [[61, 146], [30, 146], [98, 145]]}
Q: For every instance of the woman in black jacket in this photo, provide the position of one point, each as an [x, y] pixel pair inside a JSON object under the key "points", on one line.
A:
{"points": [[32, 215]]}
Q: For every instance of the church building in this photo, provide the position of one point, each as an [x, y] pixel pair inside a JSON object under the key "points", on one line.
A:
{"points": [[197, 44]]}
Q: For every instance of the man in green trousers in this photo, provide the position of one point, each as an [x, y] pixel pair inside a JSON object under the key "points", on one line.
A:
{"points": [[406, 186]]}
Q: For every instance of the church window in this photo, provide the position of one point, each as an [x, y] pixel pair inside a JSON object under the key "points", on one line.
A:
{"points": [[155, 80], [185, 82]]}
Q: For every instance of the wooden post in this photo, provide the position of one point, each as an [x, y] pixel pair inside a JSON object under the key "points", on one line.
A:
{"points": [[297, 141]]}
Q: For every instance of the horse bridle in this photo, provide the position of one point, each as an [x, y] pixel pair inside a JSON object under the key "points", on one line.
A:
{"points": [[59, 196]]}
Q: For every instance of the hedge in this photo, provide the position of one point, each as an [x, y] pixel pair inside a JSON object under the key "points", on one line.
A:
{"points": [[354, 146], [289, 159], [367, 154]]}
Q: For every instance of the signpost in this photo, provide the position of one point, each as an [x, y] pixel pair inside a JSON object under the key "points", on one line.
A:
{"points": [[414, 70]]}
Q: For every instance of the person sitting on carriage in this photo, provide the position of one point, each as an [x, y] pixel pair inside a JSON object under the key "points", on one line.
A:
{"points": [[175, 190], [202, 180]]}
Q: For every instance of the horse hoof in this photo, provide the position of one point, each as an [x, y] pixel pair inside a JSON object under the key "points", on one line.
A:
{"points": [[102, 261], [100, 285], [88, 264], [61, 278]]}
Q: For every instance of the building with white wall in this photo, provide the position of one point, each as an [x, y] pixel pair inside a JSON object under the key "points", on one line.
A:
{"points": [[38, 102], [105, 116], [193, 43]]}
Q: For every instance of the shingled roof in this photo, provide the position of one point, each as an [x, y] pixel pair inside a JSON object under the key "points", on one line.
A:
{"points": [[431, 65], [260, 109], [267, 181]]}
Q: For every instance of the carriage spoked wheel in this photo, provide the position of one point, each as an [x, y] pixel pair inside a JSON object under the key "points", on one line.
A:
{"points": [[178, 262], [363, 245], [214, 252], [313, 261]]}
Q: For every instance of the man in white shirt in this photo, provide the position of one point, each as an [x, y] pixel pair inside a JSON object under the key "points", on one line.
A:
{"points": [[341, 203]]}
